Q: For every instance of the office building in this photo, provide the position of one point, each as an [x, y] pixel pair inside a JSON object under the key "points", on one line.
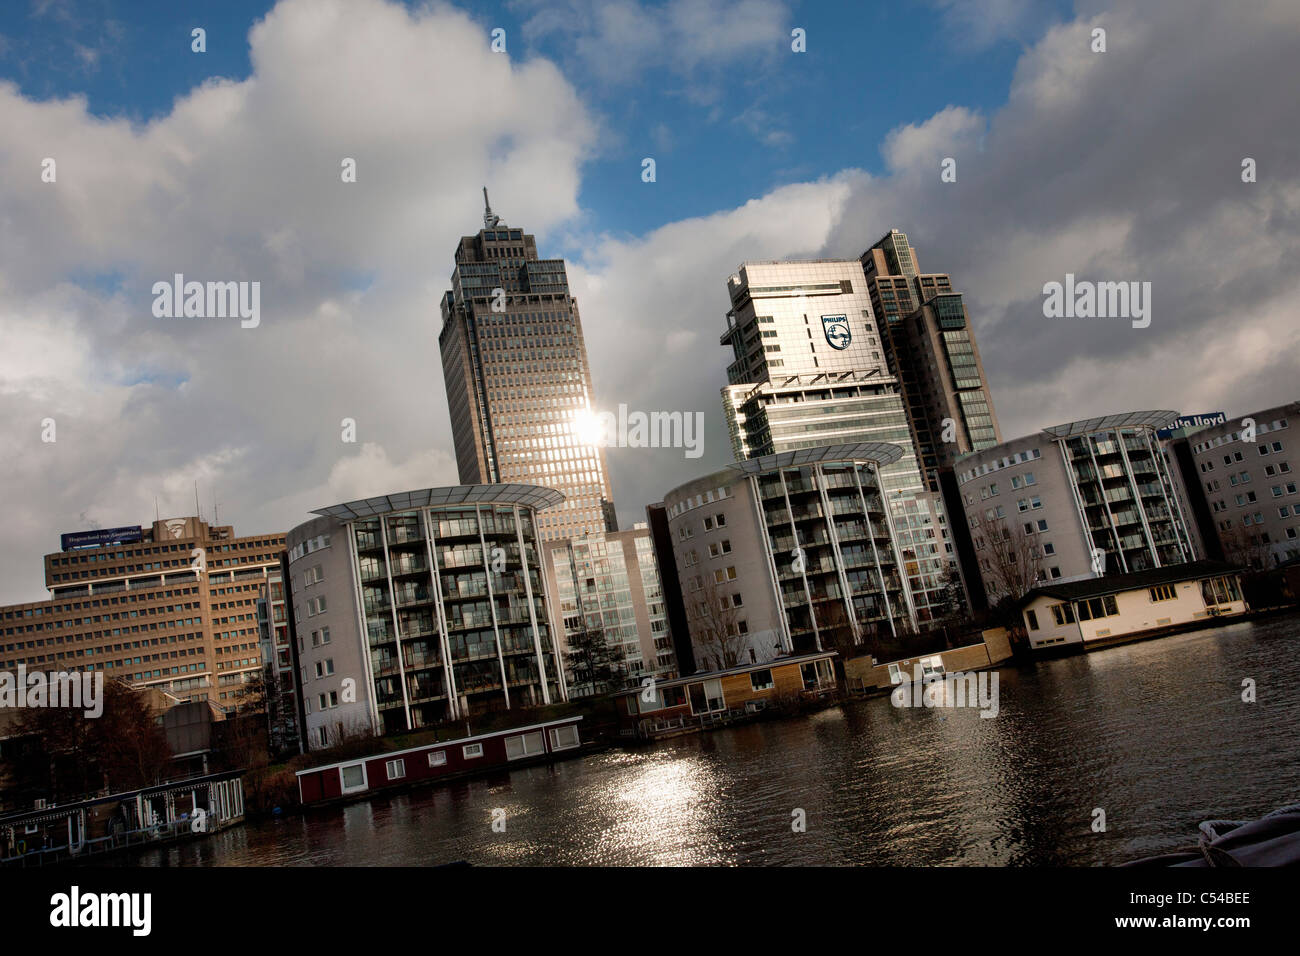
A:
{"points": [[1074, 501], [607, 609], [418, 608], [518, 381], [281, 697], [931, 350], [1245, 470], [170, 607], [809, 369], [790, 553]]}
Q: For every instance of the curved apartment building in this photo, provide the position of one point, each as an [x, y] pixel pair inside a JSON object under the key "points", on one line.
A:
{"points": [[789, 553], [422, 607], [1073, 501]]}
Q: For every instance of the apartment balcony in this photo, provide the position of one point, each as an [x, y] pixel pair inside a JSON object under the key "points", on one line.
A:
{"points": [[371, 572], [405, 534], [409, 596], [377, 606], [408, 564]]}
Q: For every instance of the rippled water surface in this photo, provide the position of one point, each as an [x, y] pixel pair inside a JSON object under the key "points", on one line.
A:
{"points": [[1156, 734]]}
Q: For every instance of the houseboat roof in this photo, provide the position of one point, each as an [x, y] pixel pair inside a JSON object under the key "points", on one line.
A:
{"points": [[439, 744], [712, 675], [1136, 580], [58, 810], [532, 495]]}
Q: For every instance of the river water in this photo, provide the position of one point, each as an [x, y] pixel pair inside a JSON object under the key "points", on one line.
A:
{"points": [[1154, 734]]}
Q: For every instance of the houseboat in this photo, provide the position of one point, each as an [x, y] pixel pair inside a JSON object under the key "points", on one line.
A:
{"points": [[178, 809], [430, 763], [864, 676], [1071, 616], [708, 699]]}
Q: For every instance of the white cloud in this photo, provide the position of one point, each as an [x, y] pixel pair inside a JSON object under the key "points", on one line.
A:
{"points": [[241, 181]]}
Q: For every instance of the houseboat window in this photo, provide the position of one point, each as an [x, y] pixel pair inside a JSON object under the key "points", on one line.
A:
{"points": [[1163, 592], [396, 769], [931, 665], [706, 697], [353, 777], [761, 680], [472, 750], [1220, 590], [438, 758], [563, 738], [524, 745], [1063, 613], [1097, 607], [895, 674], [1032, 618], [816, 673]]}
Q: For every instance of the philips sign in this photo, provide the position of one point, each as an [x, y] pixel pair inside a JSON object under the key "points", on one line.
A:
{"points": [[1186, 423], [92, 539]]}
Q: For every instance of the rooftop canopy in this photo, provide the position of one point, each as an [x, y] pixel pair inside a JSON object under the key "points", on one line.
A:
{"points": [[1148, 419], [882, 453], [532, 496]]}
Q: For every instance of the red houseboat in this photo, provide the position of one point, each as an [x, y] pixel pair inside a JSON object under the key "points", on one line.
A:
{"points": [[431, 762]]}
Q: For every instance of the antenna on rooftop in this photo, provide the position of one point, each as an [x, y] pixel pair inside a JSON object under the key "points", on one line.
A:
{"points": [[489, 221]]}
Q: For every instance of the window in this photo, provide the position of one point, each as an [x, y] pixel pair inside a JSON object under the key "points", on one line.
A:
{"points": [[525, 745], [1063, 613], [1032, 619], [396, 769], [1097, 607], [761, 680], [931, 666], [895, 674], [471, 751], [706, 697], [438, 758], [353, 776], [1163, 592], [564, 738]]}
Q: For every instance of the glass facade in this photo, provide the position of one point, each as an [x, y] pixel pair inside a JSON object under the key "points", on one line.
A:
{"points": [[775, 422], [598, 593], [829, 535], [453, 606], [1127, 499]]}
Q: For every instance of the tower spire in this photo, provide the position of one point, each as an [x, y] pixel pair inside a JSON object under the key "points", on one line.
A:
{"points": [[489, 220]]}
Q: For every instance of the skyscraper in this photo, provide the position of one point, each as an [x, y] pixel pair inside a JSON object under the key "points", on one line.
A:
{"points": [[930, 349], [517, 377], [809, 369]]}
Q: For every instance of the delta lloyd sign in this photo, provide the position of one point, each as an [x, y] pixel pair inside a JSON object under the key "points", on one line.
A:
{"points": [[1188, 422]]}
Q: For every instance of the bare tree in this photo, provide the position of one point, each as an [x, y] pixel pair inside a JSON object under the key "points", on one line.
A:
{"points": [[713, 623], [1245, 549], [1015, 562]]}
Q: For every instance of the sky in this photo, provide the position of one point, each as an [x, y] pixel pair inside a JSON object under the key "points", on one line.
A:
{"points": [[1115, 165]]}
